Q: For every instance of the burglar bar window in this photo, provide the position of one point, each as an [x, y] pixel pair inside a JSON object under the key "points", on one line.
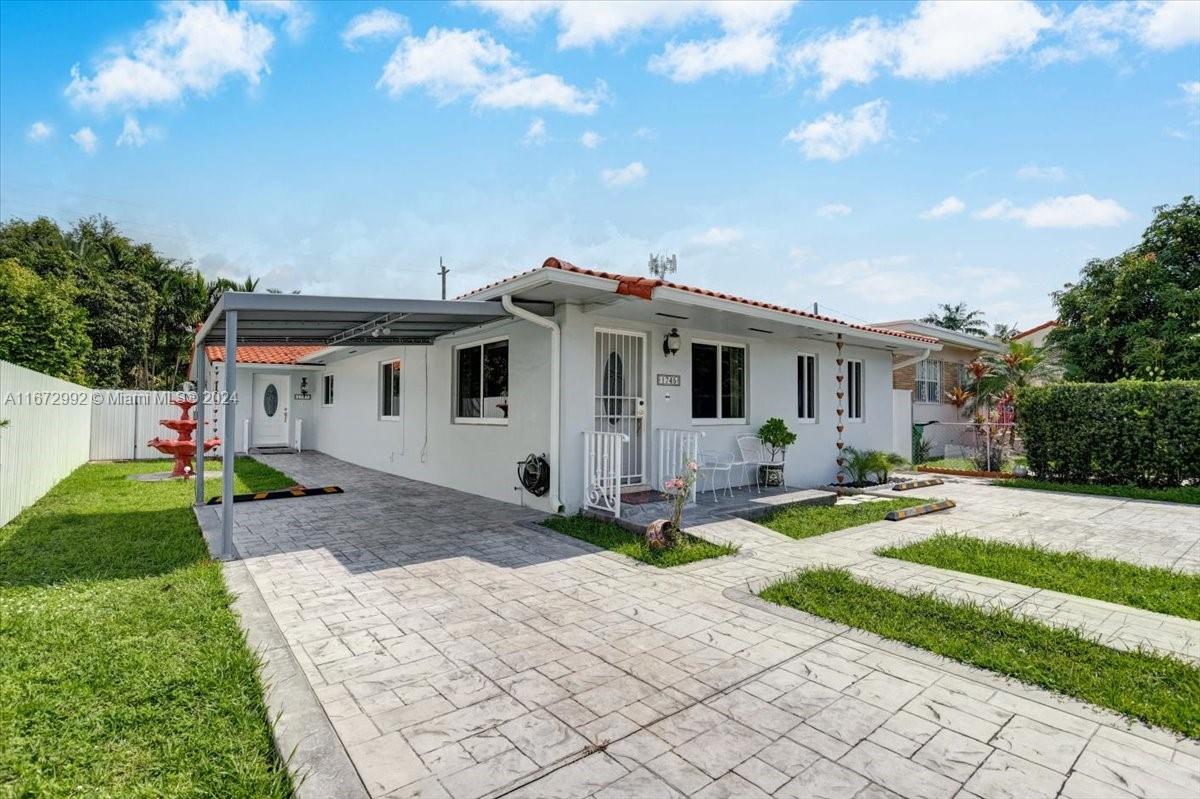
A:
{"points": [[327, 390], [806, 387], [854, 390]]}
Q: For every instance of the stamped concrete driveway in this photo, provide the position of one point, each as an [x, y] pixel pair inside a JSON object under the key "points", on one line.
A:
{"points": [[460, 650]]}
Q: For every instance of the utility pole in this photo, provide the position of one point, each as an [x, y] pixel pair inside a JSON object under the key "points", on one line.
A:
{"points": [[443, 271]]}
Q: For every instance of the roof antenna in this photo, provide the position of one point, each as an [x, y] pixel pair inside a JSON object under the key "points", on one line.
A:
{"points": [[443, 271], [662, 265]]}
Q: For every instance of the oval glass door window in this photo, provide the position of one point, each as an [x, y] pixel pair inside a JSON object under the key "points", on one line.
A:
{"points": [[614, 386], [271, 400]]}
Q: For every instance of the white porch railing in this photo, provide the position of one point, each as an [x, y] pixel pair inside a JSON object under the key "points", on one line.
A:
{"points": [[602, 471], [675, 447]]}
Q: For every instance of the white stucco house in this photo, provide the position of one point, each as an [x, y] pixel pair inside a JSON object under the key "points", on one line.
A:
{"points": [[574, 364]]}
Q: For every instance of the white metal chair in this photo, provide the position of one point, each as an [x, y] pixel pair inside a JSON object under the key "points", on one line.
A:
{"points": [[711, 462], [754, 455]]}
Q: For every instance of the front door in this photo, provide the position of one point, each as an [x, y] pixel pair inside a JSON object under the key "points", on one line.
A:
{"points": [[270, 419], [620, 405]]}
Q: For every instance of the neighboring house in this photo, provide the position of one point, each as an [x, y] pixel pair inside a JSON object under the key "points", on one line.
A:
{"points": [[554, 361], [931, 380], [1037, 335]]}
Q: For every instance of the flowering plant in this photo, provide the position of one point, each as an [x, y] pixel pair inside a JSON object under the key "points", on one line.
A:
{"points": [[680, 488]]}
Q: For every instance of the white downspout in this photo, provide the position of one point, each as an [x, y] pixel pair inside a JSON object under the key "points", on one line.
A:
{"points": [[910, 361], [555, 389]]}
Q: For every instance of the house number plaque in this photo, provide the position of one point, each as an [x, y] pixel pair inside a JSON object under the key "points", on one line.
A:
{"points": [[669, 380]]}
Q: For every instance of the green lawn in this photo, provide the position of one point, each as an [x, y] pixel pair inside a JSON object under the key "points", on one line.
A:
{"points": [[1155, 689], [611, 536], [1187, 495], [1159, 590], [123, 671], [804, 521], [968, 465]]}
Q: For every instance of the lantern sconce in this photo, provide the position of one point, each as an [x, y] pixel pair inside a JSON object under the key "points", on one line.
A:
{"points": [[671, 343]]}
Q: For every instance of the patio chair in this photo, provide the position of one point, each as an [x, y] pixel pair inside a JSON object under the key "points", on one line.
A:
{"points": [[712, 462], [754, 455]]}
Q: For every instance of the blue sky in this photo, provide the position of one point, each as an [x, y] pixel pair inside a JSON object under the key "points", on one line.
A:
{"points": [[875, 158]]}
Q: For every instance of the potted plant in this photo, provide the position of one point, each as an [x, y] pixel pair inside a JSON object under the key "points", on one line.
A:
{"points": [[776, 437], [667, 533]]}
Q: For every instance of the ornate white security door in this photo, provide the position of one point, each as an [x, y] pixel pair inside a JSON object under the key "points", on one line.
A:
{"points": [[620, 404]]}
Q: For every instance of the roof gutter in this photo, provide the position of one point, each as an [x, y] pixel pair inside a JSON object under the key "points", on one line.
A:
{"points": [[555, 389], [910, 361]]}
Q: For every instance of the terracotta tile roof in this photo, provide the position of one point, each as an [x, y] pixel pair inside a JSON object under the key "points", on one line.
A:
{"points": [[1032, 330], [279, 355], [643, 287]]}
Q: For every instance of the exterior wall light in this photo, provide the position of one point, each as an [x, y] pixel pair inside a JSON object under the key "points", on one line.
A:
{"points": [[671, 343]]}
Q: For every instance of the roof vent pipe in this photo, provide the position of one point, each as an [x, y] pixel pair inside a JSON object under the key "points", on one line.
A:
{"points": [[555, 390]]}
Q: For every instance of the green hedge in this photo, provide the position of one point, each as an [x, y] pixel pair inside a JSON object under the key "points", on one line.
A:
{"points": [[1131, 432]]}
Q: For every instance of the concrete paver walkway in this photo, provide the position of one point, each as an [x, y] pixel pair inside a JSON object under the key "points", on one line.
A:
{"points": [[460, 650]]}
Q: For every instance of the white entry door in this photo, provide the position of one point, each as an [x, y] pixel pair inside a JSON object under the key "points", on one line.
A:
{"points": [[620, 405], [269, 422]]}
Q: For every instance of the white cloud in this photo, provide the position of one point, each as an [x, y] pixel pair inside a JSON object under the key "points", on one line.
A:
{"points": [[450, 64], [191, 49], [591, 139], [296, 16], [1035, 172], [536, 134], [85, 139], [887, 280], [947, 207], [624, 176], [39, 131], [718, 237], [941, 39], [133, 135], [748, 42], [1191, 101], [1165, 26], [834, 136], [379, 23], [834, 209], [1075, 211]]}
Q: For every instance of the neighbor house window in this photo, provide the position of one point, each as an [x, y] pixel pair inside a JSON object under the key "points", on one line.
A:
{"points": [[806, 387], [854, 390], [391, 389], [327, 390], [929, 381], [718, 381], [481, 383]]}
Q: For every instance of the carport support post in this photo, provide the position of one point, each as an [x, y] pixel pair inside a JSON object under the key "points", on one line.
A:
{"points": [[228, 438], [201, 368]]}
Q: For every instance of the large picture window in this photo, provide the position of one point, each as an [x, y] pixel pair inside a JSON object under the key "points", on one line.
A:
{"points": [[806, 387], [391, 389], [718, 381], [929, 381], [481, 383], [854, 390]]}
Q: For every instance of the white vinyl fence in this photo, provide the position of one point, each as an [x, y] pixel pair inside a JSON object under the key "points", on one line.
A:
{"points": [[46, 436], [55, 426]]}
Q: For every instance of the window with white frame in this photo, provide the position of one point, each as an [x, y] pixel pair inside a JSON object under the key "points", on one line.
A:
{"points": [[806, 387], [854, 390], [327, 390], [718, 381], [391, 389], [481, 382], [929, 381]]}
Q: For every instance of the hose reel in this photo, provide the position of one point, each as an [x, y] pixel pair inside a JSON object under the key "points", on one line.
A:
{"points": [[534, 474]]}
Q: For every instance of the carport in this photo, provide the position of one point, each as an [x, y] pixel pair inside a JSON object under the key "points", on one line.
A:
{"points": [[251, 318]]}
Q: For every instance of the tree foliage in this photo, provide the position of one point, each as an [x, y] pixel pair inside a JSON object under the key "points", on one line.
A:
{"points": [[138, 308], [41, 327], [959, 318], [1137, 315]]}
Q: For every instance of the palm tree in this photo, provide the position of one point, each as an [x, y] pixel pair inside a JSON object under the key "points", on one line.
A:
{"points": [[995, 379], [1005, 332], [957, 318]]}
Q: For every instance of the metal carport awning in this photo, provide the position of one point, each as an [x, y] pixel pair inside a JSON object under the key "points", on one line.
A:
{"points": [[251, 318]]}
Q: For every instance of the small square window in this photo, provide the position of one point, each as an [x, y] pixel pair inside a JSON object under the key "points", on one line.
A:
{"points": [[481, 383]]}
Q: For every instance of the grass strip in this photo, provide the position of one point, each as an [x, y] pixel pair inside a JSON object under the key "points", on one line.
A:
{"points": [[123, 671], [1152, 688], [805, 521], [1148, 588], [1186, 495], [608, 535]]}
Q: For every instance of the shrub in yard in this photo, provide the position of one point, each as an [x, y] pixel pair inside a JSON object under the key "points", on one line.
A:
{"points": [[1130, 432]]}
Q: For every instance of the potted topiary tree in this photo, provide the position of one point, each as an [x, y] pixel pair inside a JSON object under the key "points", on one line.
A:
{"points": [[776, 437]]}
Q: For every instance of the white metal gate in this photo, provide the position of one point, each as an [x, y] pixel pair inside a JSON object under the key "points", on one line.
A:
{"points": [[620, 404]]}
